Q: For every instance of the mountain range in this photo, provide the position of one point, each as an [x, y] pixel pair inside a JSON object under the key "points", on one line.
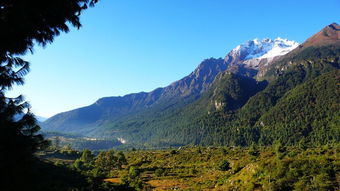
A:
{"points": [[262, 91]]}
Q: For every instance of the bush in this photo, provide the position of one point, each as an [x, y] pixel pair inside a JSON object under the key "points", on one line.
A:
{"points": [[223, 165], [193, 171], [78, 164], [134, 172], [253, 150], [159, 172]]}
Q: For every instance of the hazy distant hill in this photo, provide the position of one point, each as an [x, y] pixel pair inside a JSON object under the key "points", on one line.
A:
{"points": [[87, 119]]}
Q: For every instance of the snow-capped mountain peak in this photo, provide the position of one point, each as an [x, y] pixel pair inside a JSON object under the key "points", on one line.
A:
{"points": [[255, 55], [265, 48]]}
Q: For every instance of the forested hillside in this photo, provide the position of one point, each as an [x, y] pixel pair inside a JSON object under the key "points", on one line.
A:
{"points": [[229, 114], [293, 97]]}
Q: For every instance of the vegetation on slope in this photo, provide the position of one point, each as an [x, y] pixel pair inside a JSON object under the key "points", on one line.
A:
{"points": [[212, 168], [299, 104], [292, 93], [310, 112]]}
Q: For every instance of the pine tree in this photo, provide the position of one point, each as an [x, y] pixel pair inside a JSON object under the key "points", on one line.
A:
{"points": [[24, 23]]}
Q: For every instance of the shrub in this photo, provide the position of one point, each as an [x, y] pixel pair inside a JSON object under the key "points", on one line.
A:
{"points": [[134, 172], [253, 150], [224, 165], [193, 171], [159, 172]]}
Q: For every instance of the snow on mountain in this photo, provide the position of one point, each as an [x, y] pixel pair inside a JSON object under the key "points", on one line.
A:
{"points": [[280, 47], [253, 56], [265, 48]]}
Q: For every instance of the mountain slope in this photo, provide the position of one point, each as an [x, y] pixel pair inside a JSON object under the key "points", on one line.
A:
{"points": [[328, 35], [224, 126], [296, 81], [231, 91], [324, 44], [221, 102], [289, 109], [310, 111], [302, 67], [115, 111], [87, 119], [158, 127]]}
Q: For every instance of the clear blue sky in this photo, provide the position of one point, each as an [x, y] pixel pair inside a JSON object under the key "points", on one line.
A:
{"points": [[132, 46]]}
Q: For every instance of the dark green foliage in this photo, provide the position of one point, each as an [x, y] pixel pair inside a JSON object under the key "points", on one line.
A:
{"points": [[314, 60], [50, 177], [224, 165], [87, 156], [106, 161], [310, 111], [253, 150], [40, 22], [24, 23], [78, 164], [267, 98], [300, 173], [133, 180], [79, 175], [121, 160], [233, 91], [18, 138], [134, 171], [159, 172]]}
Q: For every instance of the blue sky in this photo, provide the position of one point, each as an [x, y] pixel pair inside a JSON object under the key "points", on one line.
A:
{"points": [[132, 46]]}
